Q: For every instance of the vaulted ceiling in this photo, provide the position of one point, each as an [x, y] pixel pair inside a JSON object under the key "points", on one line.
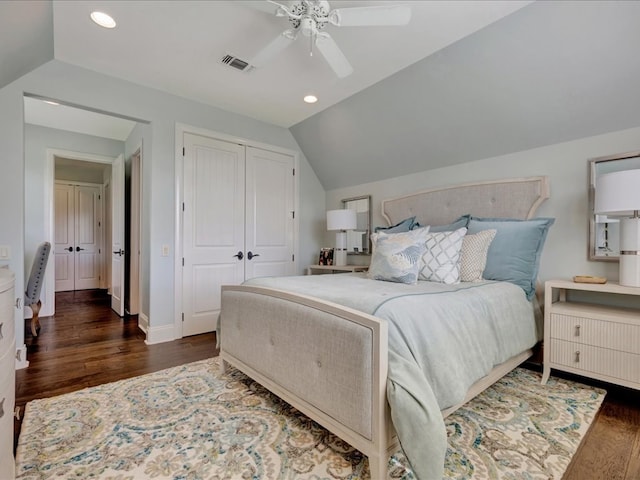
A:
{"points": [[464, 80]]}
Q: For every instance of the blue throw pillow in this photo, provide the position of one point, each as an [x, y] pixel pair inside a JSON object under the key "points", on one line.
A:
{"points": [[461, 222], [404, 226], [514, 253]]}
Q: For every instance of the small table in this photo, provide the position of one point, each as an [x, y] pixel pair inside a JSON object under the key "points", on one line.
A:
{"points": [[320, 269], [596, 341]]}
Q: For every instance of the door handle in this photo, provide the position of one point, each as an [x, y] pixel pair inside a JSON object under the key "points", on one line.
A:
{"points": [[239, 255], [70, 249], [118, 252], [251, 255], [78, 249]]}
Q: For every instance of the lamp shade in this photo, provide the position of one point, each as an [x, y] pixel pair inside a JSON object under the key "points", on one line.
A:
{"points": [[341, 219], [618, 193]]}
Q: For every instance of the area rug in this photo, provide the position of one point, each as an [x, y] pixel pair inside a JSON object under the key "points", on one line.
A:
{"points": [[191, 422]]}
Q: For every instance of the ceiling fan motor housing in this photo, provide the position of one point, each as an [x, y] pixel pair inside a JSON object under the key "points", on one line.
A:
{"points": [[312, 15]]}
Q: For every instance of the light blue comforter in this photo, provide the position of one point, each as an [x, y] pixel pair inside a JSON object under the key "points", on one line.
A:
{"points": [[442, 339]]}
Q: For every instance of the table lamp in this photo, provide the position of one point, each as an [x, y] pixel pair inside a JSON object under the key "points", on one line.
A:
{"points": [[341, 221], [618, 195]]}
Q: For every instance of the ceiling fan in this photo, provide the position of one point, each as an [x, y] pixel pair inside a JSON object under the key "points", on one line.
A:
{"points": [[311, 17]]}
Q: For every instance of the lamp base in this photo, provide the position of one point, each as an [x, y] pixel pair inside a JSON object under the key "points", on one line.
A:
{"points": [[340, 251], [630, 252]]}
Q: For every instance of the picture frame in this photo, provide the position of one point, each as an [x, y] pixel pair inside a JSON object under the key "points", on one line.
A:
{"points": [[326, 256]]}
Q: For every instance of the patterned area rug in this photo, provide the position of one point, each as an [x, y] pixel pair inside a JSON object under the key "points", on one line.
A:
{"points": [[192, 422]]}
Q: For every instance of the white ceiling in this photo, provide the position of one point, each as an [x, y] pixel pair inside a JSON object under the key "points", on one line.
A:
{"points": [[175, 46]]}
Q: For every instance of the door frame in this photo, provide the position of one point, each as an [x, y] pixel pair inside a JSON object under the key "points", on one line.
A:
{"points": [[181, 130], [49, 223]]}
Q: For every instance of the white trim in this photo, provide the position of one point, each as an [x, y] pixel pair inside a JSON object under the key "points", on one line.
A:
{"points": [[160, 334], [181, 129], [49, 224], [143, 322], [21, 358]]}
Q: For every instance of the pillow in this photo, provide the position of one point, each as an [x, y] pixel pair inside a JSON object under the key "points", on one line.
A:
{"points": [[440, 261], [463, 221], [396, 256], [404, 226], [473, 255], [514, 253]]}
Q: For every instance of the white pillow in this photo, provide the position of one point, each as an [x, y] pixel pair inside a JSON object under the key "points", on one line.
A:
{"points": [[396, 256], [473, 255], [440, 261]]}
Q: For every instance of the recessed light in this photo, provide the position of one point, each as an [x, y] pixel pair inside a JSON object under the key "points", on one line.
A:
{"points": [[310, 99], [103, 19]]}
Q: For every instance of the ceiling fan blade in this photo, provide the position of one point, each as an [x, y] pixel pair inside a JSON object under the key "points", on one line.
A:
{"points": [[333, 55], [277, 45], [367, 16]]}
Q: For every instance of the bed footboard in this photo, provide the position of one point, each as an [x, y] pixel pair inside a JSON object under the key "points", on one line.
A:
{"points": [[326, 360]]}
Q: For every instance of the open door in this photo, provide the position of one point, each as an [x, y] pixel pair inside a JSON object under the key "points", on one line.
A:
{"points": [[117, 235]]}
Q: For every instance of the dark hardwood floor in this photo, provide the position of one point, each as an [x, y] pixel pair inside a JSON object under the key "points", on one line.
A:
{"points": [[86, 344]]}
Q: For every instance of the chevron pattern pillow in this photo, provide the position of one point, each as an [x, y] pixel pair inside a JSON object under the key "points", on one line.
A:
{"points": [[440, 261], [473, 255]]}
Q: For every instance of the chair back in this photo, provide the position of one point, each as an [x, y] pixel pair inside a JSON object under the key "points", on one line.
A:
{"points": [[32, 294]]}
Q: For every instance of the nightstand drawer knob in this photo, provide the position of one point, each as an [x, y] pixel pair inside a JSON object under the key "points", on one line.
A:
{"points": [[577, 358], [577, 334]]}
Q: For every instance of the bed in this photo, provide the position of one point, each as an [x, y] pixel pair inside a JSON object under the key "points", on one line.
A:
{"points": [[328, 354]]}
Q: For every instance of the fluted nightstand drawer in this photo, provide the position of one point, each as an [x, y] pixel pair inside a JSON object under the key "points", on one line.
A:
{"points": [[624, 337], [591, 359]]}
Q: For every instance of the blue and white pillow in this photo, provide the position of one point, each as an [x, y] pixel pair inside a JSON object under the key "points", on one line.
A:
{"points": [[396, 257], [440, 261], [400, 227]]}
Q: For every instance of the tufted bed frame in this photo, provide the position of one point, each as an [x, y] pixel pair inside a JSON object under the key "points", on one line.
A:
{"points": [[281, 339]]}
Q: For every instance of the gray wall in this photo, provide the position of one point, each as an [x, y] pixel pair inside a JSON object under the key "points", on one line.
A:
{"points": [[82, 87], [565, 253]]}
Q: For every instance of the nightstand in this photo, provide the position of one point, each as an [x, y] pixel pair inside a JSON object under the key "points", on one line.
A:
{"points": [[596, 341], [320, 269]]}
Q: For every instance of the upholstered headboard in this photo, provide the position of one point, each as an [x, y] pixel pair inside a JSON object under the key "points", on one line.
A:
{"points": [[509, 198]]}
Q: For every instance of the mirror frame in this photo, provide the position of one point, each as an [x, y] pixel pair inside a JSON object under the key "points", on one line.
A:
{"points": [[593, 166], [369, 220]]}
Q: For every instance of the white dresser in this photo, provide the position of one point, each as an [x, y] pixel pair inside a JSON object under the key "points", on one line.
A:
{"points": [[7, 373], [596, 341]]}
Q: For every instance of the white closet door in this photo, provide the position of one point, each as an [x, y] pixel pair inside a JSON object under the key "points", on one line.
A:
{"points": [[269, 232], [64, 213], [87, 237], [213, 227]]}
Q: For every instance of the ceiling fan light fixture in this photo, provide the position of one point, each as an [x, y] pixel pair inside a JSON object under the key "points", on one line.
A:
{"points": [[310, 99], [103, 19]]}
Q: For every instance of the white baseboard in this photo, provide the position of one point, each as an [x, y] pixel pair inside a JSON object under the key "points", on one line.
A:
{"points": [[143, 322], [159, 334], [21, 358]]}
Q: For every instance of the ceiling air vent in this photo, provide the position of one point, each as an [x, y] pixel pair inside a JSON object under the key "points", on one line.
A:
{"points": [[236, 63]]}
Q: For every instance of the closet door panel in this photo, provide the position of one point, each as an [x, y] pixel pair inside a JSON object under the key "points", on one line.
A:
{"points": [[64, 214], [87, 262], [269, 213], [213, 227]]}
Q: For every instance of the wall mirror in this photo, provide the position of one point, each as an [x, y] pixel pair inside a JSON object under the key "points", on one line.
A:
{"points": [[604, 231], [358, 240]]}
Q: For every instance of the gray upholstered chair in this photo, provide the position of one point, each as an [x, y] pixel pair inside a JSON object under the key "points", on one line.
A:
{"points": [[34, 285]]}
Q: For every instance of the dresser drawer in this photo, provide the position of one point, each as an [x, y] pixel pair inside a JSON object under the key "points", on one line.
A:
{"points": [[624, 337], [7, 399], [591, 359], [7, 322]]}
